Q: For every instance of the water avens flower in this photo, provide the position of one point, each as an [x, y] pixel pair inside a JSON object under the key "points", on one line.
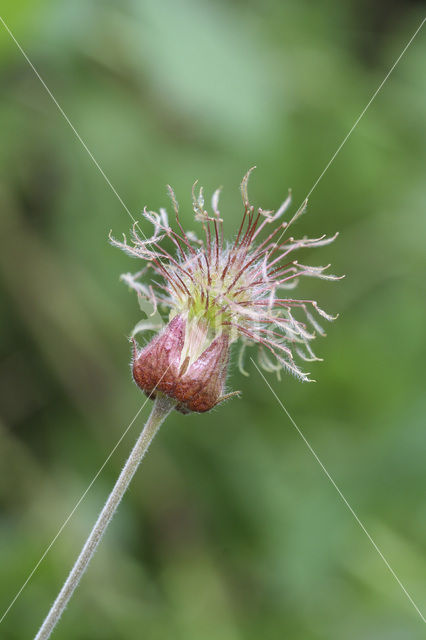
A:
{"points": [[217, 293]]}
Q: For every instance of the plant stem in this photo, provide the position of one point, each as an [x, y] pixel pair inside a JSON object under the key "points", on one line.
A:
{"points": [[162, 407]]}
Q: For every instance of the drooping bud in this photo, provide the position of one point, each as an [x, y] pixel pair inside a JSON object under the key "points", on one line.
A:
{"points": [[167, 365], [217, 293]]}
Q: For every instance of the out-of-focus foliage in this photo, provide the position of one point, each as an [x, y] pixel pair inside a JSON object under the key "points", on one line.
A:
{"points": [[231, 529]]}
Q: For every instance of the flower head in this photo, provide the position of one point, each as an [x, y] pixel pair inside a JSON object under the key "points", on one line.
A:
{"points": [[218, 293]]}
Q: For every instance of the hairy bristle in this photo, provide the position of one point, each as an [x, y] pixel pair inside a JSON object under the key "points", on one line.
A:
{"points": [[235, 288]]}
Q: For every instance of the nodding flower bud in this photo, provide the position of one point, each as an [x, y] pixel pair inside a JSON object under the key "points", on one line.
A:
{"points": [[176, 363], [218, 293]]}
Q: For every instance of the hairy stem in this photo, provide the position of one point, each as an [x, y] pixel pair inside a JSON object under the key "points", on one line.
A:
{"points": [[162, 407]]}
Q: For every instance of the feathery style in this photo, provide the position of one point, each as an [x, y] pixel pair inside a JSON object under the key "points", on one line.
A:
{"points": [[218, 293]]}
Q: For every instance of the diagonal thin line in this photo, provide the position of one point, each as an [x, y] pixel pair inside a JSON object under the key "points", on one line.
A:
{"points": [[312, 450], [36, 566], [330, 162], [78, 136], [129, 213], [68, 121], [96, 163], [355, 124], [79, 502]]}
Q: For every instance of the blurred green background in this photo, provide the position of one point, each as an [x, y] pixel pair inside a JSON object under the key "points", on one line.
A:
{"points": [[231, 529]]}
